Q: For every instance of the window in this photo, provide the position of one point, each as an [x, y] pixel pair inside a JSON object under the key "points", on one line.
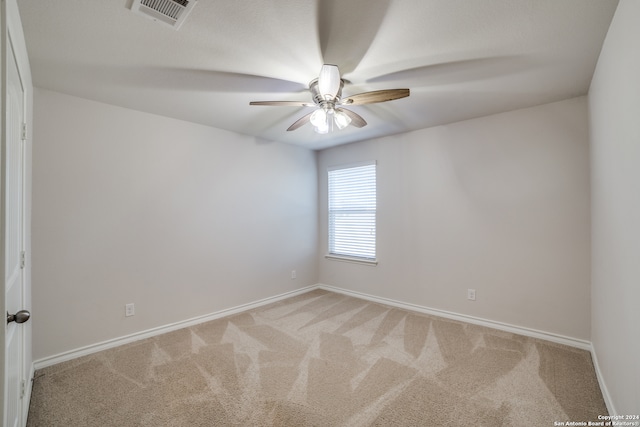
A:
{"points": [[352, 212]]}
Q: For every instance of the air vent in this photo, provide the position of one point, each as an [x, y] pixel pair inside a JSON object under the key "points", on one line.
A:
{"points": [[169, 12]]}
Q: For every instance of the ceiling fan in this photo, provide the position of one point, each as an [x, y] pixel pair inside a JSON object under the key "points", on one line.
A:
{"points": [[326, 92]]}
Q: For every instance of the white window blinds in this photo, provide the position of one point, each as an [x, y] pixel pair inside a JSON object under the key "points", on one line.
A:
{"points": [[352, 211]]}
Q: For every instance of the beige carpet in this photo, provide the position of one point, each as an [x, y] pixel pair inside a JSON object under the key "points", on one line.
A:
{"points": [[323, 359]]}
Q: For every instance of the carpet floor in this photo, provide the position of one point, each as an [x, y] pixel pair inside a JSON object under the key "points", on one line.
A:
{"points": [[323, 359]]}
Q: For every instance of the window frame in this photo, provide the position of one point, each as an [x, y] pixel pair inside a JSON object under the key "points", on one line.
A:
{"points": [[372, 261]]}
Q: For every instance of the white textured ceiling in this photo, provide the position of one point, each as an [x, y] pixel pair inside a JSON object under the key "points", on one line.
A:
{"points": [[460, 58]]}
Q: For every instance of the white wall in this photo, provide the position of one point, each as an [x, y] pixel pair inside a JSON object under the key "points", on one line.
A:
{"points": [[499, 204], [178, 218], [614, 105]]}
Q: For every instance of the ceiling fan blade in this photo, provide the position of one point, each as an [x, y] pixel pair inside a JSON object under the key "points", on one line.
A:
{"points": [[375, 96], [347, 29], [300, 122], [283, 103], [199, 80], [356, 119], [329, 81], [456, 71]]}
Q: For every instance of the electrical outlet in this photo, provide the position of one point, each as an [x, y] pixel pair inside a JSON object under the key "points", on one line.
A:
{"points": [[293, 274], [471, 294], [129, 310]]}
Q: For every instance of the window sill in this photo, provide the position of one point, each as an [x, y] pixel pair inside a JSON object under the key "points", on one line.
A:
{"points": [[369, 262]]}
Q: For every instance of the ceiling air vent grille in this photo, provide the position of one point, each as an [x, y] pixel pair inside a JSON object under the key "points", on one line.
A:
{"points": [[169, 12]]}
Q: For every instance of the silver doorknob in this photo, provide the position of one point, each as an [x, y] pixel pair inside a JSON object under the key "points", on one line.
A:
{"points": [[20, 317]]}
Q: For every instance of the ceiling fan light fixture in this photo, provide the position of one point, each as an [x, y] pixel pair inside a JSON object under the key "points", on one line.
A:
{"points": [[341, 119], [329, 81], [319, 118], [322, 129]]}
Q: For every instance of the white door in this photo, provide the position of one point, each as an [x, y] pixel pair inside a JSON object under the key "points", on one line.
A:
{"points": [[13, 225]]}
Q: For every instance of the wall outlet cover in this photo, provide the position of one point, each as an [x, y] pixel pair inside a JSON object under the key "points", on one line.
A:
{"points": [[129, 309]]}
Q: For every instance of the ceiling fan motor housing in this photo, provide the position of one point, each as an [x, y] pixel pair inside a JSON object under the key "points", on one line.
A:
{"points": [[319, 99]]}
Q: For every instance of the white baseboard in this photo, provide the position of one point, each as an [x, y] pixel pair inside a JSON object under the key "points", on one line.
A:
{"points": [[603, 387], [548, 336], [94, 348], [520, 330]]}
